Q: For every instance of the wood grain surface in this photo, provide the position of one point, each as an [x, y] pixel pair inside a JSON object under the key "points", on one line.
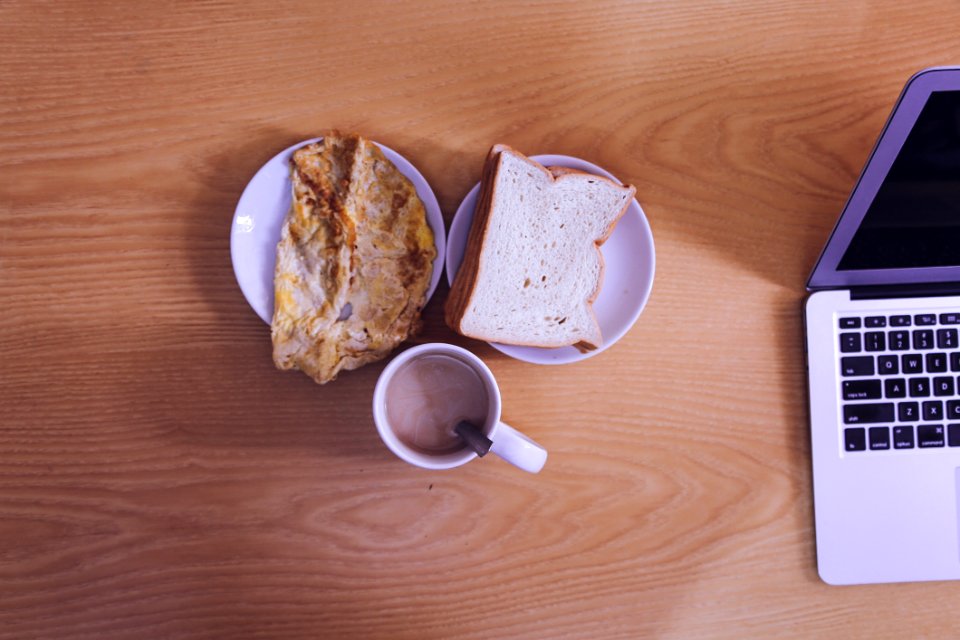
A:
{"points": [[160, 479]]}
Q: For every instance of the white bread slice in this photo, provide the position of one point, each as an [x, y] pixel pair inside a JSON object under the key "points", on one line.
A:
{"points": [[532, 267]]}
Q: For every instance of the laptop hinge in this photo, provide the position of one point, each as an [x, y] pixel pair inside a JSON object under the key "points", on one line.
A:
{"points": [[924, 290]]}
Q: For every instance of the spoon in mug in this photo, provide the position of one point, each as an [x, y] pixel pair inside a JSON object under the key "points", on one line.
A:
{"points": [[474, 437]]}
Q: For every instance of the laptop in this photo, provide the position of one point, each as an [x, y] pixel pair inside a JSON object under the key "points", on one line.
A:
{"points": [[883, 353]]}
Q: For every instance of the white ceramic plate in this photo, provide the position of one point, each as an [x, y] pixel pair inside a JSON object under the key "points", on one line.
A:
{"points": [[628, 255], [259, 218]]}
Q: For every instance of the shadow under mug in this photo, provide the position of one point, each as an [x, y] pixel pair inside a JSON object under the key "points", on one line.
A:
{"points": [[507, 442]]}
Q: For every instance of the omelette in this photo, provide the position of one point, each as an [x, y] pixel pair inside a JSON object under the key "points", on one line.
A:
{"points": [[354, 259]]}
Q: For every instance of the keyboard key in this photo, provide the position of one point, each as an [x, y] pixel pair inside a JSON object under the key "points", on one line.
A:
{"points": [[868, 413], [908, 412], [849, 342], [861, 389], [936, 362], [953, 435], [950, 318], [919, 387], [911, 363], [932, 410], [903, 437], [875, 341], [895, 387], [899, 340], [930, 435], [875, 321], [925, 319], [888, 365], [855, 439], [953, 409], [943, 386], [900, 321], [946, 338], [923, 338], [857, 366], [849, 323], [879, 438], [955, 361]]}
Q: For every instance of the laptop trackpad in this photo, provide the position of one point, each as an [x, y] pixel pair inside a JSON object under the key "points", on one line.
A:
{"points": [[956, 493]]}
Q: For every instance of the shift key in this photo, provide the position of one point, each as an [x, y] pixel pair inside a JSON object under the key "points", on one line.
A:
{"points": [[868, 413]]}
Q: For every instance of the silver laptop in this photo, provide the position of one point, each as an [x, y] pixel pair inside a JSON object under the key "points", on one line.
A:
{"points": [[883, 354]]}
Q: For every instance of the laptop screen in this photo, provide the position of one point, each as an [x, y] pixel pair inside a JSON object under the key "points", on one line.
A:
{"points": [[914, 220]]}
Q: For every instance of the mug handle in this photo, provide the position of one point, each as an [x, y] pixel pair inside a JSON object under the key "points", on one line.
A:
{"points": [[518, 449]]}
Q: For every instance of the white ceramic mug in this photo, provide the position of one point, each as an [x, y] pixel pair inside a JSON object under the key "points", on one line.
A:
{"points": [[507, 442]]}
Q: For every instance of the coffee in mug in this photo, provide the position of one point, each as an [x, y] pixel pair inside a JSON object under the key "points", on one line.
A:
{"points": [[426, 391], [428, 396]]}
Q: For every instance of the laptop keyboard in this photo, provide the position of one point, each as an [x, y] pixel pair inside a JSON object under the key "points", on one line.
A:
{"points": [[900, 381]]}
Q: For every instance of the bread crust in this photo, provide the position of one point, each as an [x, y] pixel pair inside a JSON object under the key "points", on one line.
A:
{"points": [[465, 282]]}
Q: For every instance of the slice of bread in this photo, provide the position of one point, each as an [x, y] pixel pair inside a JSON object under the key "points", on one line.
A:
{"points": [[532, 266]]}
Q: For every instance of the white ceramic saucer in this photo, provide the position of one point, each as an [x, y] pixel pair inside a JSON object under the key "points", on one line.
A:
{"points": [[628, 255], [259, 217]]}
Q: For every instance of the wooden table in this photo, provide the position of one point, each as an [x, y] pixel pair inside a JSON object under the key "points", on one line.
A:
{"points": [[160, 479]]}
